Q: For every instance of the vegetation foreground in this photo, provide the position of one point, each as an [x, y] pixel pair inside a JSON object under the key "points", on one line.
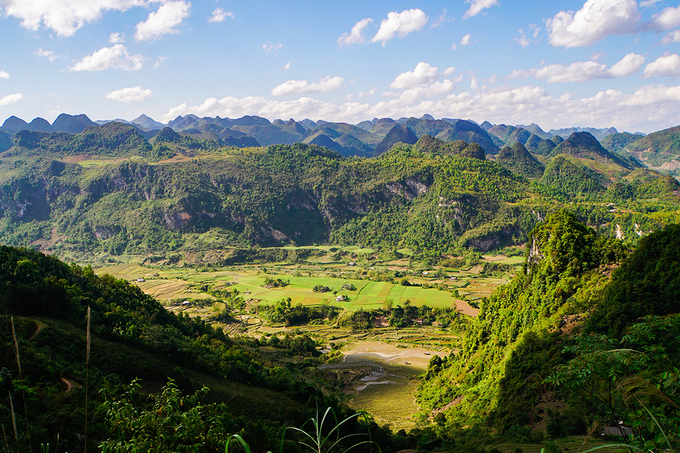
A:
{"points": [[583, 337]]}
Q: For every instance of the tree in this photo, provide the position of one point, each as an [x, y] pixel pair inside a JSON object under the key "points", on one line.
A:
{"points": [[167, 421]]}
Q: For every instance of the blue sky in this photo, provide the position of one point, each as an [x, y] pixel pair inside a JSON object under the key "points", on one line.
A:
{"points": [[564, 63]]}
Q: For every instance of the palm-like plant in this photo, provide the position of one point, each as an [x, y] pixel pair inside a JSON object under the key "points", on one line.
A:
{"points": [[318, 439]]}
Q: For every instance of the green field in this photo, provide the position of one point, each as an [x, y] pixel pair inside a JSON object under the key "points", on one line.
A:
{"points": [[170, 284], [401, 355]]}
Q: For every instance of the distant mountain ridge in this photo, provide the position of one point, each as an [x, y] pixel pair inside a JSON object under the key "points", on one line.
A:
{"points": [[369, 138], [599, 134]]}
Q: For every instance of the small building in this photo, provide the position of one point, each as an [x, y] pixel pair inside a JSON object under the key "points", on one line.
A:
{"points": [[140, 280], [185, 303]]}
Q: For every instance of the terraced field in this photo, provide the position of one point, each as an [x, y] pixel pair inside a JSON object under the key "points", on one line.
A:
{"points": [[380, 367]]}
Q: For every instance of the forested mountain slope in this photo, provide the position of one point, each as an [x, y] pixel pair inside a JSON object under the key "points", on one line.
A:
{"points": [[45, 306], [432, 197], [563, 347]]}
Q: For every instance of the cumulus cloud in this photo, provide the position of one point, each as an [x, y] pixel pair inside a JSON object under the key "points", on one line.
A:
{"points": [[671, 37], [304, 87], [116, 38], [466, 40], [163, 21], [424, 74], [46, 54], [667, 19], [421, 93], [584, 71], [220, 15], [477, 6], [422, 83], [666, 66], [11, 98], [63, 16], [596, 20], [4, 75], [356, 35], [629, 65], [400, 24], [126, 95], [649, 108], [116, 57], [271, 46]]}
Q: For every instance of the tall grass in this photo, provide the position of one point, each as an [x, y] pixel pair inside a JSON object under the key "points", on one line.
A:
{"points": [[87, 372], [23, 394]]}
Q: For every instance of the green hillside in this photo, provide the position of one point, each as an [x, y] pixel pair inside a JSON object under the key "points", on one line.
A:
{"points": [[518, 160], [535, 364], [58, 376], [658, 151], [431, 197]]}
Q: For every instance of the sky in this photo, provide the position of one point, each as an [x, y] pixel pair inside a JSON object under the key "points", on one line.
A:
{"points": [[559, 63]]}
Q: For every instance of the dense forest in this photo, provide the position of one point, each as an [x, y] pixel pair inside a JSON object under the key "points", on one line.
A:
{"points": [[431, 197]]}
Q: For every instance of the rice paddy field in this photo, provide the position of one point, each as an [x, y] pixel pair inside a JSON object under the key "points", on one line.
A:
{"points": [[434, 287], [379, 369]]}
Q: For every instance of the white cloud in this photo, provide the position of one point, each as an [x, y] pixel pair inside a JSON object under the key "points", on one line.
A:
{"points": [[116, 57], [477, 6], [465, 41], [474, 84], [424, 74], [126, 95], [583, 71], [649, 108], [304, 87], [4, 75], [441, 19], [596, 20], [163, 21], [46, 54], [160, 61], [400, 24], [421, 93], [666, 66], [421, 83], [646, 3], [365, 94], [356, 35], [522, 39], [667, 19], [535, 29], [286, 66], [671, 37], [116, 38], [271, 46], [11, 98], [629, 65], [220, 15], [63, 16]]}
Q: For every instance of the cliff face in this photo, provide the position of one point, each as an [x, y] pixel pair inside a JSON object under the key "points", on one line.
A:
{"points": [[302, 194]]}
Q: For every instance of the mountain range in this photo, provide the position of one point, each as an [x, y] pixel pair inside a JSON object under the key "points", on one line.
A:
{"points": [[658, 151]]}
